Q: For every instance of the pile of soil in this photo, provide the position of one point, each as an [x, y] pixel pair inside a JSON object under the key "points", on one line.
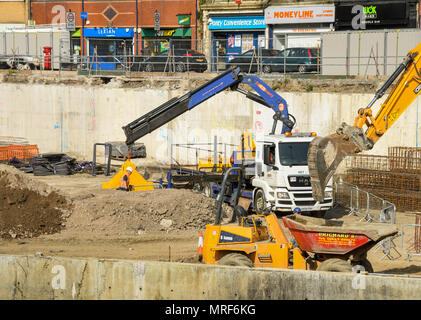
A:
{"points": [[28, 208], [111, 212]]}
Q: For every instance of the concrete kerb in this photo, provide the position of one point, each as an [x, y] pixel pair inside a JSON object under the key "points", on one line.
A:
{"points": [[39, 277]]}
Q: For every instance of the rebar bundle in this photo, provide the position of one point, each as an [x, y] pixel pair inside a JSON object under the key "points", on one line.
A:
{"points": [[396, 177]]}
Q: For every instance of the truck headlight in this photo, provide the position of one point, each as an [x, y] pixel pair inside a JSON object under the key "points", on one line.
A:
{"points": [[282, 195], [328, 194]]}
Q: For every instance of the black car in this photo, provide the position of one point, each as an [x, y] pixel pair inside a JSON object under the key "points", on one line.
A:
{"points": [[300, 60], [178, 60], [249, 60]]}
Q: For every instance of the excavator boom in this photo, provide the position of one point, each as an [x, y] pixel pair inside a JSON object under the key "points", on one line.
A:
{"points": [[326, 153]]}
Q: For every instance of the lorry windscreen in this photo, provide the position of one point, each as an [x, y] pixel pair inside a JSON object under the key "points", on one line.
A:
{"points": [[293, 153]]}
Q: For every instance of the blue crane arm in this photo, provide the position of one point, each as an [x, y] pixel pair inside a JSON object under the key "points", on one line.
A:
{"points": [[179, 105]]}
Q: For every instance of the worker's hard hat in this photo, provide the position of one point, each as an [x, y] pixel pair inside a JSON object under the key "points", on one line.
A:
{"points": [[129, 169], [297, 210]]}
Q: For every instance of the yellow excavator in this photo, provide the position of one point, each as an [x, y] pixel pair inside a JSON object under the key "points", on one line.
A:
{"points": [[326, 153]]}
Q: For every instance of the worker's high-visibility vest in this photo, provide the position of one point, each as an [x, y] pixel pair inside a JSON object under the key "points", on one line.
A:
{"points": [[123, 183]]}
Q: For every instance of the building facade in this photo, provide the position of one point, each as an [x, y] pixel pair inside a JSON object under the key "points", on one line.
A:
{"points": [[298, 24], [375, 15], [169, 23], [230, 28], [122, 27]]}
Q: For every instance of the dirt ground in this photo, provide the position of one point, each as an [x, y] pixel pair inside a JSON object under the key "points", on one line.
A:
{"points": [[80, 219]]}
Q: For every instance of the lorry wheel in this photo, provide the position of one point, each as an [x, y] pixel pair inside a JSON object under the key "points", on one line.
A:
{"points": [[365, 264], [259, 201], [235, 259], [207, 189], [335, 265]]}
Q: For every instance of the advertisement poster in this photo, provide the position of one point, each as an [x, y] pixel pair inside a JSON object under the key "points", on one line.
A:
{"points": [[238, 40], [247, 42], [261, 40], [230, 42]]}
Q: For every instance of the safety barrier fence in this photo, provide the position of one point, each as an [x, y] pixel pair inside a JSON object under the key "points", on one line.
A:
{"points": [[18, 152], [411, 237], [186, 60], [369, 208]]}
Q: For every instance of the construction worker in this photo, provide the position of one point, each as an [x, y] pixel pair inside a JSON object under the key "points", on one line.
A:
{"points": [[125, 180], [297, 210]]}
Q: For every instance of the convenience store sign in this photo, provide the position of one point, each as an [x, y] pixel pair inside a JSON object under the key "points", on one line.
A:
{"points": [[233, 23], [317, 14]]}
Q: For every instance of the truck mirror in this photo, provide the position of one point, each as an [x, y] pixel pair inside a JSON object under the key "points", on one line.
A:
{"points": [[259, 169]]}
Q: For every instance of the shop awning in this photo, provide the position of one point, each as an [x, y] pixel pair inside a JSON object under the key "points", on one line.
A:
{"points": [[76, 34]]}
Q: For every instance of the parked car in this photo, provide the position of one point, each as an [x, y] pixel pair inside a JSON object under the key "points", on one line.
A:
{"points": [[180, 60], [249, 60], [300, 60]]}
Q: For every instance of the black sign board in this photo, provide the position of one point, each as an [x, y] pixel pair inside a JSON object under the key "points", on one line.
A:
{"points": [[376, 14]]}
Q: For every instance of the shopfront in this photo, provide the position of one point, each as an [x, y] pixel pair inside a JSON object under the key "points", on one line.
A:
{"points": [[154, 42], [369, 15], [109, 48], [291, 27], [232, 36]]}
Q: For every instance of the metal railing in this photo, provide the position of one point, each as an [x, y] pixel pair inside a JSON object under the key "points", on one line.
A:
{"points": [[369, 208], [201, 58]]}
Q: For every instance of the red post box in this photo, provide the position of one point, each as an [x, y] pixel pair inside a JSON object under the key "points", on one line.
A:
{"points": [[47, 57]]}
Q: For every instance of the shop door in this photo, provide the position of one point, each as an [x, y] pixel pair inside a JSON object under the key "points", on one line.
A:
{"points": [[101, 54], [219, 52], [123, 54]]}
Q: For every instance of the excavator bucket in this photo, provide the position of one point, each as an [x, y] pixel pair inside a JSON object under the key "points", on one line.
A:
{"points": [[324, 156], [136, 180]]}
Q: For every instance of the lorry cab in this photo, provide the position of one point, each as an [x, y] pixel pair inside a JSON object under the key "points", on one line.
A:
{"points": [[282, 179]]}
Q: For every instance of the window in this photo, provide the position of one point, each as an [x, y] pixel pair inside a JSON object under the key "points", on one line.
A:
{"points": [[293, 153]]}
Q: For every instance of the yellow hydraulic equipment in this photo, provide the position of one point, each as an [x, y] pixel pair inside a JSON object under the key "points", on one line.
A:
{"points": [[326, 153], [208, 165], [247, 144], [258, 241], [137, 182]]}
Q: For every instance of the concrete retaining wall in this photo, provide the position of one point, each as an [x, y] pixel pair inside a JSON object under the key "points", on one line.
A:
{"points": [[33, 277], [70, 118]]}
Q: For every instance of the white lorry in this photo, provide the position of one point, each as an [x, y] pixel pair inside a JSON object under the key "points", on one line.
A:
{"points": [[275, 171], [282, 179]]}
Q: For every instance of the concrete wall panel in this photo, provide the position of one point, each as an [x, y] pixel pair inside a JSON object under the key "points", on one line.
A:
{"points": [[62, 118], [31, 277]]}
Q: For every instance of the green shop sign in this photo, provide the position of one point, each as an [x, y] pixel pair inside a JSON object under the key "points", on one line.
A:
{"points": [[183, 20], [178, 32]]}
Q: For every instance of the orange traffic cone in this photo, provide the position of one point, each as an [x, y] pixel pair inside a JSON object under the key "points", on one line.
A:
{"points": [[200, 247]]}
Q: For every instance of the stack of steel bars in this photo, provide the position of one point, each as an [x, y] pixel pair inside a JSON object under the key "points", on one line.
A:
{"points": [[396, 177]]}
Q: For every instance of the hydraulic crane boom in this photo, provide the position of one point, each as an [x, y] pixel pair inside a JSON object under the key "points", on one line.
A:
{"points": [[229, 79], [325, 154]]}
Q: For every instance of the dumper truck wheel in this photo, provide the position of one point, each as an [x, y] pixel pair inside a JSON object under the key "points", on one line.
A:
{"points": [[335, 265], [259, 201], [235, 259], [365, 264]]}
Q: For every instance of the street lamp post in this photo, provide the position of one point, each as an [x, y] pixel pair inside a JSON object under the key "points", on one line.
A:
{"points": [[82, 33], [136, 35]]}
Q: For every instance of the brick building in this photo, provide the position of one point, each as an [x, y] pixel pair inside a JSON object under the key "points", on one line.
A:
{"points": [[110, 28]]}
